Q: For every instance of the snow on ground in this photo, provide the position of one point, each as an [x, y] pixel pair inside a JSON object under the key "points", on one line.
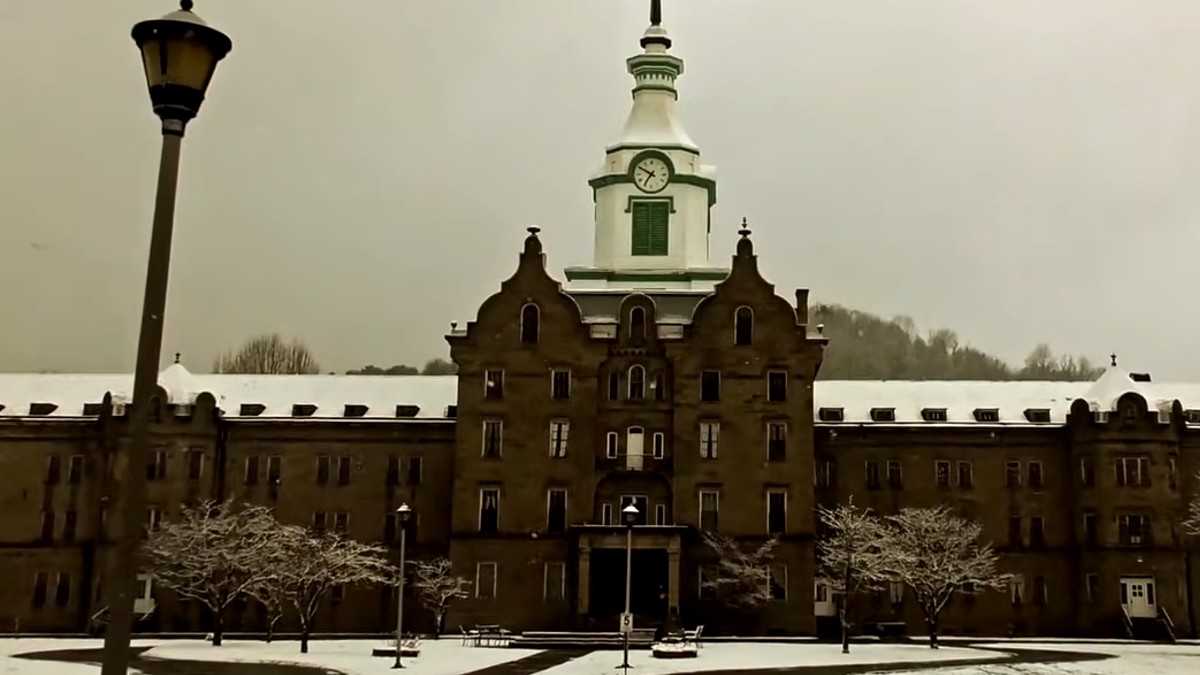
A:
{"points": [[738, 656], [1132, 658]]}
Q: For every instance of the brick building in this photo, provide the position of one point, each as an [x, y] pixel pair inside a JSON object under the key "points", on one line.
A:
{"points": [[650, 377]]}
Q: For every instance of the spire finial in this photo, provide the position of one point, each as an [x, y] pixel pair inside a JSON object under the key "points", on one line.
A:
{"points": [[533, 229], [176, 357], [185, 5], [745, 230], [1113, 356], [655, 12]]}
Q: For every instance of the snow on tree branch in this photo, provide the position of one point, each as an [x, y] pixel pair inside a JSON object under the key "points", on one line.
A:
{"points": [[437, 585], [211, 554], [853, 557], [743, 576]]}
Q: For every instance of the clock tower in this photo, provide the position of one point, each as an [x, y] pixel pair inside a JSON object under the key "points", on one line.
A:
{"points": [[653, 196]]}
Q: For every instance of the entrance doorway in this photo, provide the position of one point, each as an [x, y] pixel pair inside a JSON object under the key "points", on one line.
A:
{"points": [[647, 593], [1137, 597]]}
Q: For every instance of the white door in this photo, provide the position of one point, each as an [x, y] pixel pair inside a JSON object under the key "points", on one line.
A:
{"points": [[635, 445], [1137, 596], [824, 603]]}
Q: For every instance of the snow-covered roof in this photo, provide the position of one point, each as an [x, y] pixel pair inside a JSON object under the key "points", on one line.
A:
{"points": [[837, 402]]}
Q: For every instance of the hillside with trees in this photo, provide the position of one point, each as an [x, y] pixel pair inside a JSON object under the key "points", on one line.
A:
{"points": [[864, 346]]}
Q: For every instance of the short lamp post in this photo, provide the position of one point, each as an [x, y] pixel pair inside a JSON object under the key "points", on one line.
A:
{"points": [[629, 515], [179, 54], [402, 515]]}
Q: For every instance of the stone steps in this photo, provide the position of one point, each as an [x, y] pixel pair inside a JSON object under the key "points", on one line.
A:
{"points": [[639, 639]]}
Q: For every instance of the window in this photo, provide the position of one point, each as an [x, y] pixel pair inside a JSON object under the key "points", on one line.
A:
{"points": [[493, 438], [341, 522], [1035, 475], [392, 477], [614, 386], [560, 433], [485, 580], [987, 415], [872, 474], [707, 582], [1016, 589], [965, 475], [554, 581], [251, 475], [776, 441], [650, 223], [637, 383], [660, 514], [414, 470], [48, 522], [933, 414], [62, 590], [1091, 587], [896, 592], [195, 464], [941, 473], [1087, 472], [1040, 596], [156, 466], [1133, 530], [75, 469], [323, 470], [777, 381], [343, 471], [710, 436], [777, 577], [530, 324], [560, 385], [709, 508], [1132, 471], [710, 386], [612, 443], [489, 510], [53, 469], [826, 473], [39, 589], [743, 326], [635, 448], [637, 323], [319, 521], [606, 514], [1012, 474], [895, 475], [656, 385], [831, 414], [337, 593], [1037, 532], [1090, 535], [659, 445], [1014, 531], [69, 522], [556, 510], [776, 511], [493, 384]]}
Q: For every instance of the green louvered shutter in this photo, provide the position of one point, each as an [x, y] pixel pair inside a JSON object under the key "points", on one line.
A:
{"points": [[641, 228], [659, 217]]}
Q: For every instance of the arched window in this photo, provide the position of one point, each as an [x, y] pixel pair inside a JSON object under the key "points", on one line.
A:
{"points": [[637, 383], [637, 323], [530, 324], [743, 326]]}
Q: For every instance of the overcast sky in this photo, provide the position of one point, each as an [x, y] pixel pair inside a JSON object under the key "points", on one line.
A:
{"points": [[363, 172]]}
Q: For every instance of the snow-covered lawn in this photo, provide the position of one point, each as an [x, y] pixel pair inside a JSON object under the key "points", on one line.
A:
{"points": [[1133, 658], [740, 656]]}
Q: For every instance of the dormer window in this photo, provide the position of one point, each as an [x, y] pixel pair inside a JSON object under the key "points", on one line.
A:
{"points": [[354, 410], [1037, 415], [933, 414], [89, 409], [831, 414], [251, 409], [493, 384], [987, 415], [743, 326], [42, 408], [303, 410], [407, 410], [637, 323], [451, 411], [1191, 416], [530, 324], [637, 383], [883, 414]]}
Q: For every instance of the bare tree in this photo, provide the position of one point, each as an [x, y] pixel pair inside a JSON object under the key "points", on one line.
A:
{"points": [[851, 557], [268, 354], [437, 585], [1191, 524], [743, 576], [211, 554], [314, 563], [936, 554]]}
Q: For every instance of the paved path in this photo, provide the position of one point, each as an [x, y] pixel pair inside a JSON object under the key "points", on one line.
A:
{"points": [[535, 663]]}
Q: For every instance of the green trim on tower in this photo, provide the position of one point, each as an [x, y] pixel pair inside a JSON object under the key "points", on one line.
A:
{"points": [[679, 178], [651, 227], [638, 198], [575, 274]]}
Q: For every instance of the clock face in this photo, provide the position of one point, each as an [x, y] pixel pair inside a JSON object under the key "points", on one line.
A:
{"points": [[651, 174]]}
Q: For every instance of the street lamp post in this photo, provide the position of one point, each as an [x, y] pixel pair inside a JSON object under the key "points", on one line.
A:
{"points": [[179, 53], [402, 514], [629, 514]]}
